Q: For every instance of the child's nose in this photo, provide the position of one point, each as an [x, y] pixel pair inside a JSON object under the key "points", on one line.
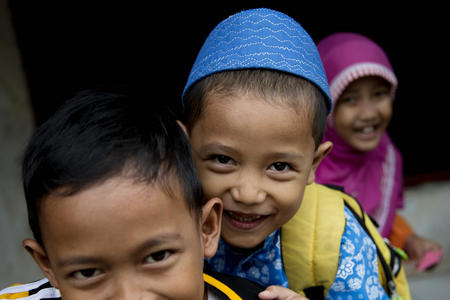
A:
{"points": [[248, 192], [129, 289], [367, 109]]}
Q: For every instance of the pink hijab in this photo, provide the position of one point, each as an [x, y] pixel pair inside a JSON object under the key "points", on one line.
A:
{"points": [[375, 178]]}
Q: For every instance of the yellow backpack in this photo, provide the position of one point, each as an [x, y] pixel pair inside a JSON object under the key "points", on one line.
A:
{"points": [[311, 240]]}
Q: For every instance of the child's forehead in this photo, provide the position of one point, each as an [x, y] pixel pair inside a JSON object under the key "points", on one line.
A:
{"points": [[367, 82], [249, 119], [300, 111], [118, 203], [123, 188]]}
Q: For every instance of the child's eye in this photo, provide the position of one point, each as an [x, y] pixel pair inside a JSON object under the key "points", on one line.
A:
{"points": [[86, 274], [223, 159], [348, 100], [157, 256], [280, 167], [221, 164], [381, 93]]}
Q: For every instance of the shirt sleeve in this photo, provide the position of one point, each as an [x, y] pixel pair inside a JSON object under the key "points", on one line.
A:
{"points": [[37, 290], [357, 275], [399, 201], [400, 232]]}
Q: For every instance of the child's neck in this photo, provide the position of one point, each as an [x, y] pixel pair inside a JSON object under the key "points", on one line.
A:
{"points": [[246, 251]]}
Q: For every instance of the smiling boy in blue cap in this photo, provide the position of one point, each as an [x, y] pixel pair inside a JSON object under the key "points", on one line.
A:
{"points": [[255, 109]]}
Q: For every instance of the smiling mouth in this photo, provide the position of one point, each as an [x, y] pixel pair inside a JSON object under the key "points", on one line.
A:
{"points": [[244, 221], [368, 131]]}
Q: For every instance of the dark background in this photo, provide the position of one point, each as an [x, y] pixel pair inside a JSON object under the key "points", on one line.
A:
{"points": [[67, 46]]}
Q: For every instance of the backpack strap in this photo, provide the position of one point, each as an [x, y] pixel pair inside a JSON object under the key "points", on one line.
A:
{"points": [[390, 286], [219, 286], [391, 272], [310, 241], [229, 287]]}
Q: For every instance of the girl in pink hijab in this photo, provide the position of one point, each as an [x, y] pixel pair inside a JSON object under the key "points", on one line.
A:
{"points": [[364, 161]]}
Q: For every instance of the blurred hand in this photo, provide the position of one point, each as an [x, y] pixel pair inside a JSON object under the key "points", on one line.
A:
{"points": [[416, 246], [280, 293]]}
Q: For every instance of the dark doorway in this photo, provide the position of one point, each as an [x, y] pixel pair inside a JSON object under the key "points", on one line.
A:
{"points": [[67, 46]]}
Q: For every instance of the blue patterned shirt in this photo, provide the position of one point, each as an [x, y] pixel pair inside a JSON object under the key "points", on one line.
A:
{"points": [[356, 277]]}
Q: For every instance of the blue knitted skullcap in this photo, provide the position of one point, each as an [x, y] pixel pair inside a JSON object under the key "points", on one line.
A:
{"points": [[260, 38]]}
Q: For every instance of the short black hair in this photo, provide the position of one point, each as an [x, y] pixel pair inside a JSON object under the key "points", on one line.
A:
{"points": [[94, 136], [272, 85]]}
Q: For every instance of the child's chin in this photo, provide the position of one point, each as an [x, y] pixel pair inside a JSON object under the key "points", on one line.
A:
{"points": [[366, 145], [245, 241]]}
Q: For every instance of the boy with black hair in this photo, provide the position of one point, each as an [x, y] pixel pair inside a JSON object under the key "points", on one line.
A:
{"points": [[116, 209], [255, 109]]}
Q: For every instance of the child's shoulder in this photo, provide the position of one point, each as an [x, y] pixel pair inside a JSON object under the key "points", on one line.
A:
{"points": [[223, 285], [230, 286], [311, 240], [324, 215], [40, 289]]}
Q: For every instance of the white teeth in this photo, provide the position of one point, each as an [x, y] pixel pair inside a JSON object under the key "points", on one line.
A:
{"points": [[367, 130], [243, 219]]}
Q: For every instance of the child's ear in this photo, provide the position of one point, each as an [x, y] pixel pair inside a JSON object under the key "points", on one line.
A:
{"points": [[320, 153], [183, 127], [211, 224], [39, 255]]}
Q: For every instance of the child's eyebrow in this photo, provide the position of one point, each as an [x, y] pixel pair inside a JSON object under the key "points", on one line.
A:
{"points": [[77, 260], [159, 240], [216, 147], [350, 90], [286, 156], [151, 243], [381, 85]]}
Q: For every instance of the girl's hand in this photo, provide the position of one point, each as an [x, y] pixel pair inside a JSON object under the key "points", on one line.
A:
{"points": [[416, 247], [276, 292]]}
